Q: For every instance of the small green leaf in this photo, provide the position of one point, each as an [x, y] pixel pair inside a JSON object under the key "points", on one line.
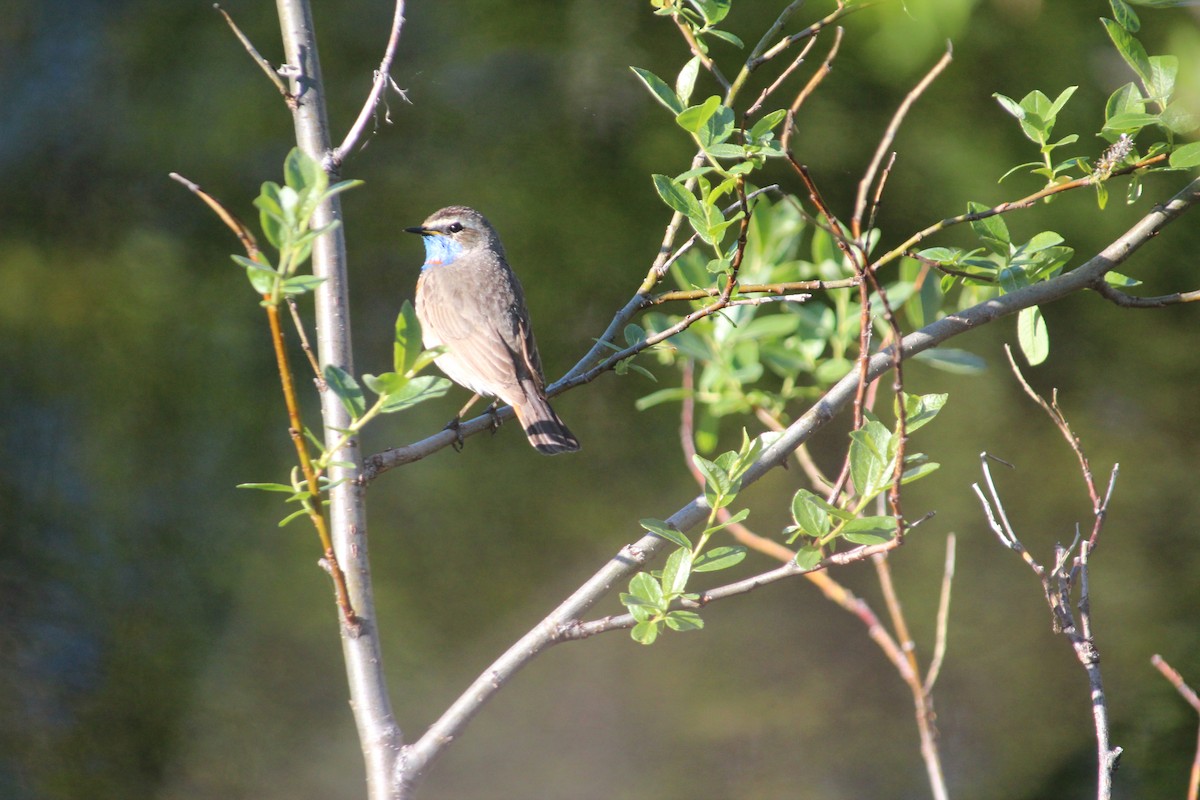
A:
{"points": [[921, 409], [1130, 49], [676, 572], [869, 446], [728, 37], [302, 172], [300, 284], [811, 514], [1032, 335], [992, 230], [645, 632], [262, 277], [292, 516], [949, 359], [660, 528], [1009, 105], [684, 621], [342, 384], [687, 79], [718, 558], [808, 556], [679, 199], [1163, 70], [659, 88], [645, 586], [869, 530], [1131, 121], [915, 473], [407, 342], [417, 390], [385, 384], [767, 124], [693, 118], [713, 10], [1125, 16], [268, 487], [1186, 157]]}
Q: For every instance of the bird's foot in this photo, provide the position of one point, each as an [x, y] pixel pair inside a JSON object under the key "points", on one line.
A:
{"points": [[494, 414], [456, 426]]}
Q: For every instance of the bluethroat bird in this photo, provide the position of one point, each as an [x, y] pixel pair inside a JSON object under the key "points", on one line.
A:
{"points": [[469, 301]]}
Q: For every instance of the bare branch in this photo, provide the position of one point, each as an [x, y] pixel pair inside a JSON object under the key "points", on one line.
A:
{"points": [[382, 82], [271, 73], [889, 136]]}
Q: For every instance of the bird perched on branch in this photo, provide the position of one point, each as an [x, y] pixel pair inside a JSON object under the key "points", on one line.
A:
{"points": [[469, 301]]}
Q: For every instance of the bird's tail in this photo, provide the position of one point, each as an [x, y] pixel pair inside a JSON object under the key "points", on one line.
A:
{"points": [[545, 431]]}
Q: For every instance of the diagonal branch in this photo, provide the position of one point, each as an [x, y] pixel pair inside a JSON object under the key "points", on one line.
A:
{"points": [[416, 758]]}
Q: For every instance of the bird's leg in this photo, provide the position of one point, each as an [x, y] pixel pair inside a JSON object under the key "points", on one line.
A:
{"points": [[456, 424], [494, 412]]}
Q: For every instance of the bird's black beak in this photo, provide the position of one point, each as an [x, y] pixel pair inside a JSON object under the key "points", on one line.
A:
{"points": [[419, 230]]}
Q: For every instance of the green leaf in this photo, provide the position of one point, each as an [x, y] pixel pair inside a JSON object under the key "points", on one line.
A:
{"points": [[262, 276], [1130, 121], [683, 621], [992, 231], [1130, 49], [1125, 16], [955, 361], [647, 588], [645, 632], [717, 128], [386, 384], [660, 528], [921, 409], [713, 11], [811, 514], [303, 173], [692, 119], [407, 343], [767, 124], [292, 516], [687, 79], [300, 284], [676, 572], [659, 88], [918, 471], [1127, 99], [718, 558], [1186, 157], [728, 37], [417, 390], [717, 482], [342, 384], [868, 457], [268, 487], [1032, 335], [869, 530], [809, 556], [1009, 105], [1163, 70], [679, 199]]}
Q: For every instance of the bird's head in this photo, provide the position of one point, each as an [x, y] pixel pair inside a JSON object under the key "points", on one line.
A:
{"points": [[453, 231]]}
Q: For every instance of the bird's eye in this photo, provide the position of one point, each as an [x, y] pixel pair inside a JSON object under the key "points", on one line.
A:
{"points": [[454, 227]]}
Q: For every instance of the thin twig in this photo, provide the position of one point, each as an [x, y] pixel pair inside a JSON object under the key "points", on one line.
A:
{"points": [[380, 85], [826, 67], [943, 616], [1109, 292], [1189, 695], [889, 136], [271, 73]]}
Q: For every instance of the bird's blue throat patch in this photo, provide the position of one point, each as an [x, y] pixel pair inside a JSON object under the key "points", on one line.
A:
{"points": [[440, 250]]}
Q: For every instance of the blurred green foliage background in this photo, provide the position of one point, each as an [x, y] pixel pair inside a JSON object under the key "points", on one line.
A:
{"points": [[161, 638]]}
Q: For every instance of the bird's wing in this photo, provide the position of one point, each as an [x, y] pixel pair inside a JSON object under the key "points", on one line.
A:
{"points": [[479, 355]]}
